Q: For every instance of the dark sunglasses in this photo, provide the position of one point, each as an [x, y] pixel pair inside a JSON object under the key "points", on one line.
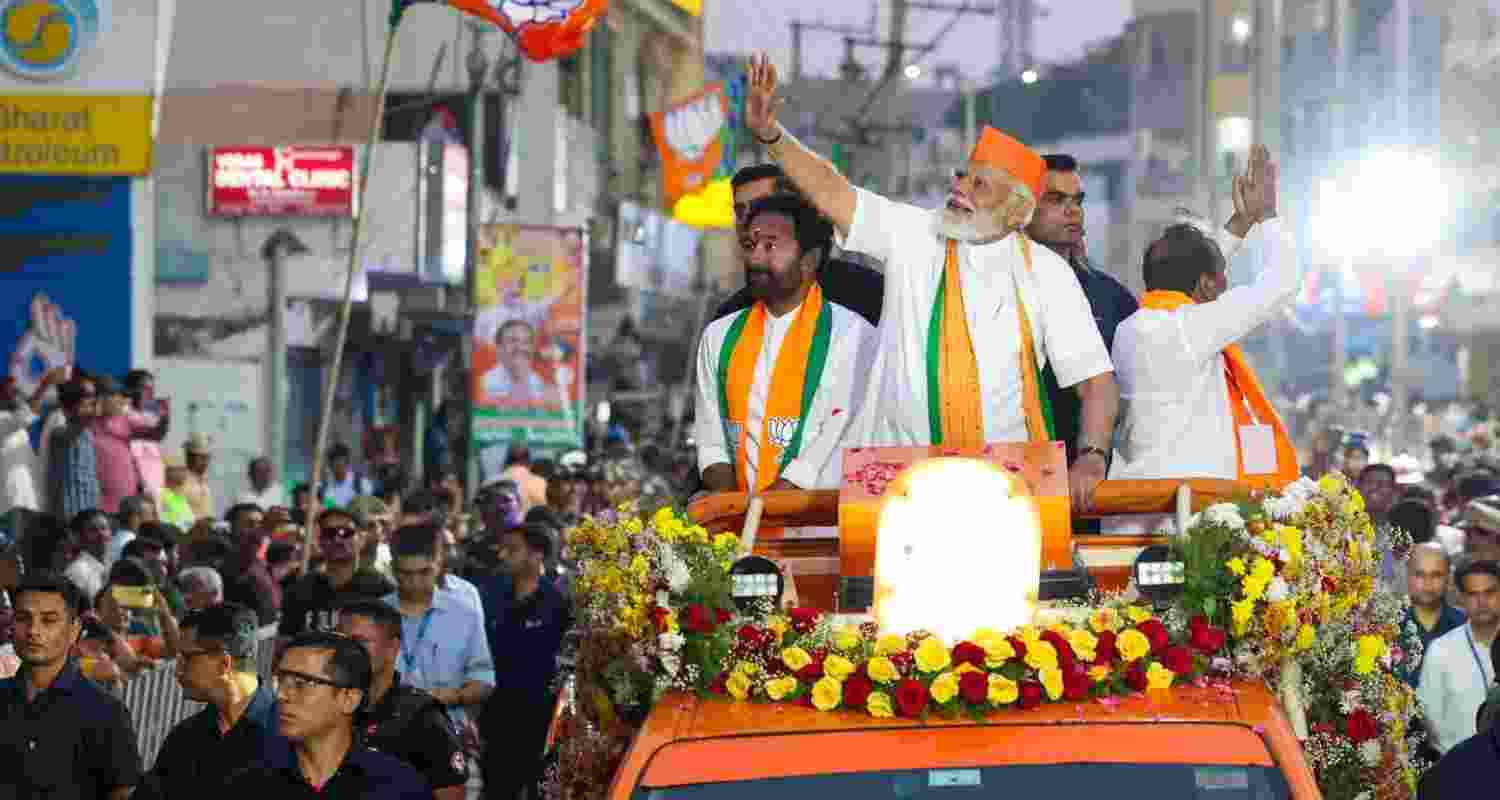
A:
{"points": [[340, 533]]}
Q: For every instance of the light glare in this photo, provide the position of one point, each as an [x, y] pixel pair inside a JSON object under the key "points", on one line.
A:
{"points": [[1029, 76], [913, 71]]}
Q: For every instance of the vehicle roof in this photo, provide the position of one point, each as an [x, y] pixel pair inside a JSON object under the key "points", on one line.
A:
{"points": [[717, 739]]}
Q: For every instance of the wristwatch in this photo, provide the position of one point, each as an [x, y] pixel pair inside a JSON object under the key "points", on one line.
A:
{"points": [[1091, 450]]}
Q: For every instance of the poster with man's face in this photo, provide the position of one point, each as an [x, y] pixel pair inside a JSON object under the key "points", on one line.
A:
{"points": [[529, 337]]}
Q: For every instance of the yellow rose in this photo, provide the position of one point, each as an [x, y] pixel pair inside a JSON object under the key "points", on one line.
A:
{"points": [[1253, 587], [1029, 633], [780, 688], [1105, 619], [1099, 674], [1002, 690], [881, 670], [1041, 655], [1306, 637], [932, 656], [827, 694], [847, 638], [1236, 565], [738, 685], [1263, 570], [1138, 614], [837, 667], [997, 652], [778, 626], [747, 667], [890, 644], [1133, 645], [726, 541], [1083, 644], [1368, 650], [945, 688], [1331, 483], [795, 658], [1159, 677], [1051, 681], [1241, 612], [879, 705]]}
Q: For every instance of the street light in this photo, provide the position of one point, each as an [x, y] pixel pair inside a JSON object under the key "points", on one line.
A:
{"points": [[1240, 29], [1029, 76], [913, 71]]}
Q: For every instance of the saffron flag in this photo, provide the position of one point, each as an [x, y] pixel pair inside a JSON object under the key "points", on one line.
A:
{"points": [[543, 29], [688, 140]]}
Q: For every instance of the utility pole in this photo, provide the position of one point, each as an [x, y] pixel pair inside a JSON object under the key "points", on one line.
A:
{"points": [[1267, 30], [1339, 139], [1208, 140], [1405, 269], [479, 66]]}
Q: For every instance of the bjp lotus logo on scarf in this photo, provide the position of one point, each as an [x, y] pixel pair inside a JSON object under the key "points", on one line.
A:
{"points": [[781, 430]]}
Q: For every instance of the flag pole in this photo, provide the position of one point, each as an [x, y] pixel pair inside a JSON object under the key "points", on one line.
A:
{"points": [[330, 387]]}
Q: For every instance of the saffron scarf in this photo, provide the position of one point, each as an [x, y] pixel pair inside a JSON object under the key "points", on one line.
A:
{"points": [[794, 382], [1247, 401], [954, 409]]}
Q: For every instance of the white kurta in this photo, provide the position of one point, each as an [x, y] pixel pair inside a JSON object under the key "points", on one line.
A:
{"points": [[835, 406], [1174, 398], [1453, 684], [17, 461], [905, 238]]}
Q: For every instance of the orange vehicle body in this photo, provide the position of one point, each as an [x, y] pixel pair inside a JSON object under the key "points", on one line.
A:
{"points": [[690, 741]]}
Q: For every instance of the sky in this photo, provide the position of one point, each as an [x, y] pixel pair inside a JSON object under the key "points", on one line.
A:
{"points": [[742, 26]]}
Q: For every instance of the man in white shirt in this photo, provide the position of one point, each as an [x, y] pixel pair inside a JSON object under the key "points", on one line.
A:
{"points": [[973, 310], [1456, 671], [91, 530], [264, 491], [1193, 406], [779, 383], [514, 381]]}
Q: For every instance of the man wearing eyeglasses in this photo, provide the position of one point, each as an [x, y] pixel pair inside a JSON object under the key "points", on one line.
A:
{"points": [[215, 665], [312, 603], [322, 681]]}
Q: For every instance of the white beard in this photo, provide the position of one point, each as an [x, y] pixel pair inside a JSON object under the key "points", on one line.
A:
{"points": [[968, 228]]}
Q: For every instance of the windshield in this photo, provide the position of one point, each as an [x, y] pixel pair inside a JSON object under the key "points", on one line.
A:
{"points": [[1157, 781]]}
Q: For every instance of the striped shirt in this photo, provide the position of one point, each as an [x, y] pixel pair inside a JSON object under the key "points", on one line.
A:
{"points": [[73, 479]]}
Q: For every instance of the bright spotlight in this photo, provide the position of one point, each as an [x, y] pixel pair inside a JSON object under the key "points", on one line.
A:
{"points": [[913, 71], [1234, 134], [1385, 188], [1240, 29], [1029, 76]]}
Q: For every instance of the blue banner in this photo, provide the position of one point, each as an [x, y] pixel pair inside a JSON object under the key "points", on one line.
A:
{"points": [[65, 273]]}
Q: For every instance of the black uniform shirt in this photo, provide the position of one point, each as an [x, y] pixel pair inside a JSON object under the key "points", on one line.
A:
{"points": [[410, 725], [312, 604], [72, 742], [196, 756], [364, 775]]}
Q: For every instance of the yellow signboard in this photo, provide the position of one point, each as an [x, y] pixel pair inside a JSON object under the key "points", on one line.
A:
{"points": [[694, 7], [75, 134]]}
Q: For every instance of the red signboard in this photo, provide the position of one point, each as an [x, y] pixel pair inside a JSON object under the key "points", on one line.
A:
{"points": [[281, 181]]}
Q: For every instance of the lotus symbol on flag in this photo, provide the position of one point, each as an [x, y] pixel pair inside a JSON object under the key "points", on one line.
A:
{"points": [[692, 127], [520, 12]]}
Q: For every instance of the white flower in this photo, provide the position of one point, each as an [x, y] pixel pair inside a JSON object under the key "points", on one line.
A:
{"points": [[670, 664], [1225, 515], [1369, 751], [1278, 590], [678, 574], [670, 642], [1365, 795], [664, 599]]}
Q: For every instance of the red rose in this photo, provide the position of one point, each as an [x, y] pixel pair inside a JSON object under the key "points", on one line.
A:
{"points": [[754, 638], [813, 671], [1031, 694], [968, 653], [1104, 651], [659, 618], [857, 690], [717, 687], [697, 619], [1156, 633], [1178, 659], [903, 662], [1361, 726], [1076, 687], [911, 698], [805, 619], [1135, 677], [1199, 621], [1064, 648], [974, 688], [722, 616], [1019, 646], [1207, 639]]}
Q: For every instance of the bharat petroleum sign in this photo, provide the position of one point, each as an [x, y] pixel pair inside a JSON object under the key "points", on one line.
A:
{"points": [[44, 40]]}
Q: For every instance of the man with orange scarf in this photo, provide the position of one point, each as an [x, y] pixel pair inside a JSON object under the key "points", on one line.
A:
{"points": [[973, 309], [778, 382], [1193, 405]]}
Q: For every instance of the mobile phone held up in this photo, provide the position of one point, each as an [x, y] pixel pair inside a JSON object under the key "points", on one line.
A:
{"points": [[141, 597]]}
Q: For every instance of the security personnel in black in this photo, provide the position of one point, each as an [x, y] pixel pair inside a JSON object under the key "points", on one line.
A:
{"points": [[61, 737], [215, 665], [400, 720], [321, 681]]}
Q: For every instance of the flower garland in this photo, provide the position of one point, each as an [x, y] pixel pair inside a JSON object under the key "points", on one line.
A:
{"points": [[1281, 589]]}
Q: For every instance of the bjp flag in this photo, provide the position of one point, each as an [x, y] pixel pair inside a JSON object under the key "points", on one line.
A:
{"points": [[687, 138], [543, 29]]}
